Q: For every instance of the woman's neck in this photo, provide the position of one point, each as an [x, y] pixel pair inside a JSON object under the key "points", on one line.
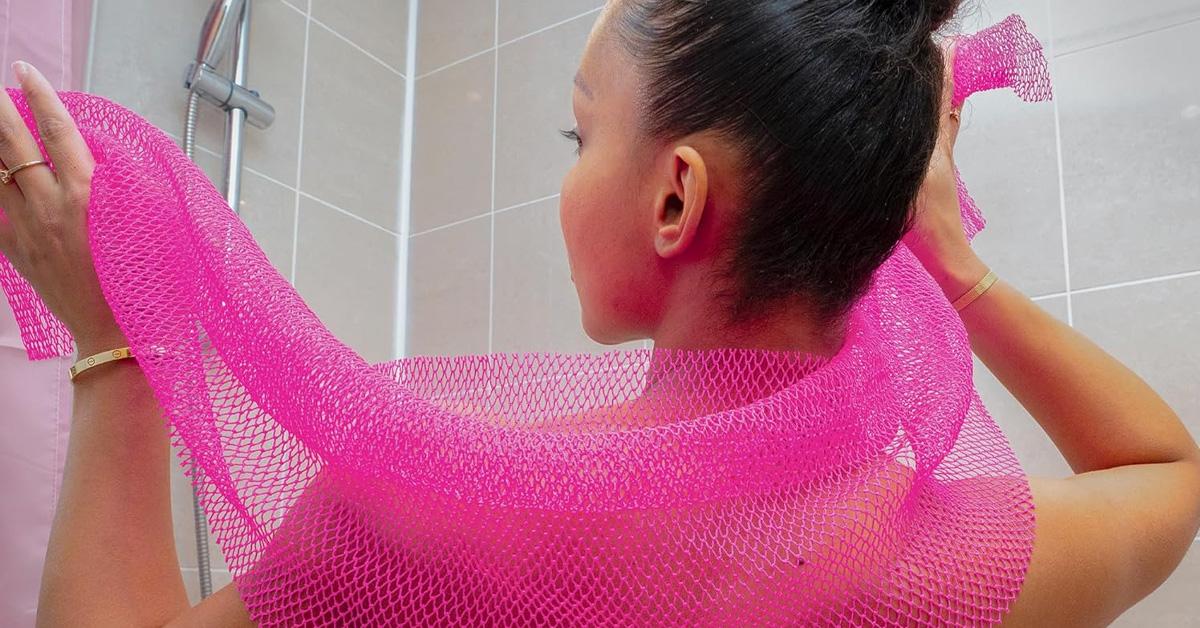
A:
{"points": [[695, 326]]}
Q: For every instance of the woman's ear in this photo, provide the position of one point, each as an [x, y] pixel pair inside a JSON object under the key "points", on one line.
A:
{"points": [[680, 207]]}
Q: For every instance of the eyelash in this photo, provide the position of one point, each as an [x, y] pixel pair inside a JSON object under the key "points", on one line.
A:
{"points": [[573, 135]]}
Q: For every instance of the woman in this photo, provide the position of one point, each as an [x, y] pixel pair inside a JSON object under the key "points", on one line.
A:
{"points": [[708, 249]]}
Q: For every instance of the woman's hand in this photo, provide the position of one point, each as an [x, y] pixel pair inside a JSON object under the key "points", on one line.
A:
{"points": [[937, 237], [43, 227]]}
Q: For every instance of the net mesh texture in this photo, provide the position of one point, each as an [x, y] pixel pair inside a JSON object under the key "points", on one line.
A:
{"points": [[643, 487]]}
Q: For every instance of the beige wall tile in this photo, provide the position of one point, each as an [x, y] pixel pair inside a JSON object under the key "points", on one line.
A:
{"points": [[346, 272], [454, 30], [449, 284], [1131, 157], [536, 307], [354, 114], [378, 26], [269, 211], [521, 17], [534, 102], [452, 144], [141, 50], [1080, 24], [1008, 157]]}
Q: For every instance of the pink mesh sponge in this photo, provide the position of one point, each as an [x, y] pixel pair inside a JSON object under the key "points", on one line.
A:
{"points": [[720, 487]]}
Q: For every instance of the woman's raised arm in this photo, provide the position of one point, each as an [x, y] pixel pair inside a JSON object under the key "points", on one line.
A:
{"points": [[111, 558]]}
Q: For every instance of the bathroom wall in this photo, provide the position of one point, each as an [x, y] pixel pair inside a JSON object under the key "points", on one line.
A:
{"points": [[1093, 200], [488, 270], [321, 190], [1094, 204]]}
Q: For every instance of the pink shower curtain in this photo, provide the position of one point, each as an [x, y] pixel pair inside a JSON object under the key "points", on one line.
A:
{"points": [[35, 397]]}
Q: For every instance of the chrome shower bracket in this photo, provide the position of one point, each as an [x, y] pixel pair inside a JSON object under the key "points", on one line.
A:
{"points": [[226, 94]]}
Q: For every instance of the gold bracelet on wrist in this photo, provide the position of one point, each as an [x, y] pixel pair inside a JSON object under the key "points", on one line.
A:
{"points": [[93, 361], [974, 293]]}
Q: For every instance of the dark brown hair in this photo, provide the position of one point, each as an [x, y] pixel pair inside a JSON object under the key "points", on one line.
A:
{"points": [[832, 107]]}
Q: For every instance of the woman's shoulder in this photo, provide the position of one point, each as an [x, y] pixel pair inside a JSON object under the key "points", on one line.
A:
{"points": [[1099, 545]]}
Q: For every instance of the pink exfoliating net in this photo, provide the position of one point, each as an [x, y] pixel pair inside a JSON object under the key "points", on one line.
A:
{"points": [[627, 488]]}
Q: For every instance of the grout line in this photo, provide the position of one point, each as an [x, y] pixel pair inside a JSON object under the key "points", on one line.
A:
{"points": [[271, 179], [324, 202], [544, 28], [451, 224], [483, 215], [458, 62], [495, 117], [300, 151], [1138, 282], [514, 40], [1062, 185], [297, 9], [308, 16], [525, 204], [356, 46], [1127, 37], [404, 224], [1123, 284], [348, 213]]}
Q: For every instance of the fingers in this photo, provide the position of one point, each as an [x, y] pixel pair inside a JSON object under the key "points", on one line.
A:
{"points": [[68, 151], [17, 146]]}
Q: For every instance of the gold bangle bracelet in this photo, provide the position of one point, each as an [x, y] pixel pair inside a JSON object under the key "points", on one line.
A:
{"points": [[93, 361], [974, 293]]}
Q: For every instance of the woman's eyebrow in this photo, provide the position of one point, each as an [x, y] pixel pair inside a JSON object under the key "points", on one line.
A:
{"points": [[583, 86]]}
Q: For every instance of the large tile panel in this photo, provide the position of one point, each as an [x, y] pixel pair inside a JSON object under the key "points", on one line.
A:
{"points": [[1130, 119], [536, 307], [378, 26], [521, 17], [452, 144], [452, 30], [346, 272], [354, 116], [534, 102], [1080, 24], [449, 283]]}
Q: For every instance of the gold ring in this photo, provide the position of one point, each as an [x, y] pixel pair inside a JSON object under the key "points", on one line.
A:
{"points": [[6, 176], [956, 114]]}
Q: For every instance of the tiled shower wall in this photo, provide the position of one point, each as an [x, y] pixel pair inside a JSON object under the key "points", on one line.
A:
{"points": [[1093, 200], [488, 269], [322, 186]]}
